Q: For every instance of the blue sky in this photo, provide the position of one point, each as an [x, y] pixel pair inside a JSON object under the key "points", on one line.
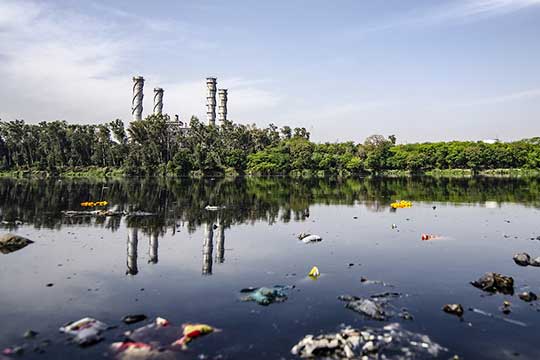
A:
{"points": [[423, 70]]}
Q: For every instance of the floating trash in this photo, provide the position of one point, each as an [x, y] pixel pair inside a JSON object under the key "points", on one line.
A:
{"points": [[94, 203], [524, 259], [308, 238], [131, 319], [389, 342], [371, 308], [494, 282], [401, 204], [266, 296], [528, 296], [454, 309], [193, 331], [314, 273], [11, 242], [86, 331]]}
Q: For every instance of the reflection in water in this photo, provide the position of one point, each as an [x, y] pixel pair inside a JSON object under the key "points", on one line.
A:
{"points": [[220, 244], [132, 242], [153, 248], [208, 247]]}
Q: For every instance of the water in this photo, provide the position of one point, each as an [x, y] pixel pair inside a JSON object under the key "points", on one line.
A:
{"points": [[178, 265]]}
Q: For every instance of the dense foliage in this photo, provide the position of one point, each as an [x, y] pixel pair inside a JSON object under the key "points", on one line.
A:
{"points": [[156, 146]]}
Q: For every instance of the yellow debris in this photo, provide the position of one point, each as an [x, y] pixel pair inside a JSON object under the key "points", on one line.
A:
{"points": [[401, 204], [93, 204], [314, 273]]}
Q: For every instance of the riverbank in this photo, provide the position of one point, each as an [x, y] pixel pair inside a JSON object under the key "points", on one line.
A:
{"points": [[104, 172]]}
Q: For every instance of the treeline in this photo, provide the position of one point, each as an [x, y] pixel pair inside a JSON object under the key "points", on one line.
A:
{"points": [[157, 146]]}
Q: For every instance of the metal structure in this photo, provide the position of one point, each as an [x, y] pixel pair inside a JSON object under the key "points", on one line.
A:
{"points": [[222, 108], [137, 100], [211, 84], [158, 101]]}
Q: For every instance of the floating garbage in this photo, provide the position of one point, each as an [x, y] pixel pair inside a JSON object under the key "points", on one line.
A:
{"points": [[402, 204], [389, 342], [371, 308], [266, 296], [314, 273], [308, 238], [94, 203], [11, 242], [213, 208], [506, 307], [494, 282], [366, 281], [192, 331], [86, 331], [426, 237], [454, 309], [74, 213], [131, 319], [528, 296], [524, 259], [158, 340]]}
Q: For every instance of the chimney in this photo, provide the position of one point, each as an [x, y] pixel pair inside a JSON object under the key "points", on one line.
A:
{"points": [[211, 100], [158, 101], [137, 100], [222, 109]]}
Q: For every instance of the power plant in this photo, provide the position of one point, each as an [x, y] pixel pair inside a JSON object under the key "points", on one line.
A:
{"points": [[211, 87]]}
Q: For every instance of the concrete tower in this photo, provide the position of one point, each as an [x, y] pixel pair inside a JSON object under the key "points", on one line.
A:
{"points": [[158, 101], [211, 84], [222, 108], [137, 100]]}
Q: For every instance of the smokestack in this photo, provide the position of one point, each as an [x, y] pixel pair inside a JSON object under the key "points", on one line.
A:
{"points": [[211, 84], [137, 101], [158, 101], [222, 109]]}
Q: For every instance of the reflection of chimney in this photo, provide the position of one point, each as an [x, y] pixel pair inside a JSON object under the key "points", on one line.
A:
{"points": [[158, 101], [220, 244], [153, 250], [208, 247], [222, 108], [211, 100], [137, 100], [132, 242]]}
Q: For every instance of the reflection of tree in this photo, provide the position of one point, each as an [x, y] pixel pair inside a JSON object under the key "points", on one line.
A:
{"points": [[220, 243], [153, 249], [41, 202]]}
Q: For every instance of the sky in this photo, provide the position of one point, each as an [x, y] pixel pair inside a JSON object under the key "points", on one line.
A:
{"points": [[423, 70]]}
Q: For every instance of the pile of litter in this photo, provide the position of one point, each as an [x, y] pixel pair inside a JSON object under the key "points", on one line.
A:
{"points": [[494, 282], [389, 342], [158, 340], [402, 204], [86, 331], [11, 242], [314, 273], [264, 295], [524, 259]]}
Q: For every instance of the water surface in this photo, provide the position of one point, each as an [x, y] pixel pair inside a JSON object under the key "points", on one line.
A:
{"points": [[188, 264]]}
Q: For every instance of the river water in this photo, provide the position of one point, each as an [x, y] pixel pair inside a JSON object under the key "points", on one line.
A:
{"points": [[188, 264]]}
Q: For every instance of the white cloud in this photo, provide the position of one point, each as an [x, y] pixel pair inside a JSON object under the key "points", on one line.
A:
{"points": [[60, 64], [517, 96]]}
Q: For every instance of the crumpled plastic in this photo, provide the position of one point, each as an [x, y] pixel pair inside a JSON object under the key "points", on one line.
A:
{"points": [[86, 331], [390, 342], [373, 309], [266, 296], [192, 331], [314, 273], [308, 238], [11, 242]]}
